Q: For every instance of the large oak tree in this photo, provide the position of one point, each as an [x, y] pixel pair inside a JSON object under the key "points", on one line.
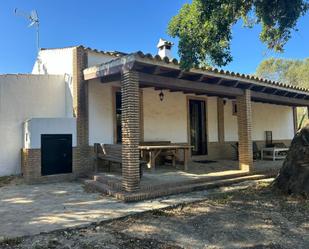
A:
{"points": [[204, 27]]}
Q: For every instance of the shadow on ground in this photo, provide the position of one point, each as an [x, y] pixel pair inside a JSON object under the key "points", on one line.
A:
{"points": [[255, 217]]}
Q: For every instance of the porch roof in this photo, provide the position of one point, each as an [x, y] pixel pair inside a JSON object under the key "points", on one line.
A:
{"points": [[166, 74]]}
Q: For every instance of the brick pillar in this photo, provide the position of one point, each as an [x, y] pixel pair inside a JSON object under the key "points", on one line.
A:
{"points": [[244, 117], [220, 111], [80, 108], [130, 131]]}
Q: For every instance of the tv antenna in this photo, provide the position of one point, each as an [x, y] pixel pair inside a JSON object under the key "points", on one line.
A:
{"points": [[34, 22]]}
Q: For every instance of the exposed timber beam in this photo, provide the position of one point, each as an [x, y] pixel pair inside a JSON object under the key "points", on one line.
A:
{"points": [[266, 97], [110, 78], [236, 84], [187, 85], [180, 75], [219, 81]]}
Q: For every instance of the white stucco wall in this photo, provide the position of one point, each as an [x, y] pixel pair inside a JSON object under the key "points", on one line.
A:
{"points": [[95, 58], [60, 62], [212, 119], [23, 97], [275, 118], [230, 123], [54, 61], [265, 117], [35, 127], [167, 119], [100, 113]]}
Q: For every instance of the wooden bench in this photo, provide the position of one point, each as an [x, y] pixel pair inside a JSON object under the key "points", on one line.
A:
{"points": [[110, 153]]}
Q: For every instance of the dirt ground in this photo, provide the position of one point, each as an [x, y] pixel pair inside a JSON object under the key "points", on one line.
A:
{"points": [[253, 218]]}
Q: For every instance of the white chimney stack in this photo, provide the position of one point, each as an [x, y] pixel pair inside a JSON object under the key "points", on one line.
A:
{"points": [[165, 48]]}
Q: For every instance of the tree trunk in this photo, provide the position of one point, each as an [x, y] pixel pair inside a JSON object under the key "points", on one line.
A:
{"points": [[293, 177]]}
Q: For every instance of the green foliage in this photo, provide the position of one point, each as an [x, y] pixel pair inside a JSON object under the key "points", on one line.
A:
{"points": [[204, 27], [293, 72]]}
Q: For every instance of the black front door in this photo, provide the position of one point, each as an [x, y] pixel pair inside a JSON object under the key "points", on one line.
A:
{"points": [[56, 154], [118, 117], [198, 127]]}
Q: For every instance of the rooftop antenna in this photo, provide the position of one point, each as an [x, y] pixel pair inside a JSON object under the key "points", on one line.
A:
{"points": [[34, 22]]}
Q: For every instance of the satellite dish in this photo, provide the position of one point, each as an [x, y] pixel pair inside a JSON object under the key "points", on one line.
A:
{"points": [[34, 22]]}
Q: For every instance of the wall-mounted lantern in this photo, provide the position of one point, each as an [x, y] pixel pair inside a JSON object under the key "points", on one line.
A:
{"points": [[161, 95]]}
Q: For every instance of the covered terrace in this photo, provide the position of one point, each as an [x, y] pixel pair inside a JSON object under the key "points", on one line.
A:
{"points": [[136, 71]]}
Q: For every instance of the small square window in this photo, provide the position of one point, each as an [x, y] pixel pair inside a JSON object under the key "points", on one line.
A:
{"points": [[234, 108]]}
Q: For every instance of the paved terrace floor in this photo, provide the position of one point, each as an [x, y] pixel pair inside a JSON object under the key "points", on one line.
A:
{"points": [[167, 174], [32, 209]]}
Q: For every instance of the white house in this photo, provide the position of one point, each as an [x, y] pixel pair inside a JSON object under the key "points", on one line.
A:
{"points": [[74, 95]]}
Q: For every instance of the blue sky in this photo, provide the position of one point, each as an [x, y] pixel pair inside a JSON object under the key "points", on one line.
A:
{"points": [[120, 25]]}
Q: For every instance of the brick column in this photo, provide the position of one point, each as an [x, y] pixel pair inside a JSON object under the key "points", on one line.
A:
{"points": [[244, 117], [80, 95], [220, 111], [130, 131], [82, 162]]}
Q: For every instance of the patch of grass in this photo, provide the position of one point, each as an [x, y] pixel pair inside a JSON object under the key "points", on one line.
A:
{"points": [[160, 212], [5, 180], [10, 241], [263, 185], [259, 189], [222, 199]]}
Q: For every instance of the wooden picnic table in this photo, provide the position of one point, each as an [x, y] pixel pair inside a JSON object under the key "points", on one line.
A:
{"points": [[155, 150]]}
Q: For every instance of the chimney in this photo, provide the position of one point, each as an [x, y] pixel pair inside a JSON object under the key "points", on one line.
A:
{"points": [[165, 48]]}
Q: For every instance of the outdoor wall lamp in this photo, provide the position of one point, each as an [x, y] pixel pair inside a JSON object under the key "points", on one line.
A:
{"points": [[161, 95]]}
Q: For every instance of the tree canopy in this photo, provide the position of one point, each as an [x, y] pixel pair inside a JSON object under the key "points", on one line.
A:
{"points": [[293, 72], [204, 27]]}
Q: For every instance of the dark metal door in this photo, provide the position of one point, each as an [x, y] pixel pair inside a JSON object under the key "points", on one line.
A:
{"points": [[56, 154], [198, 127], [118, 117]]}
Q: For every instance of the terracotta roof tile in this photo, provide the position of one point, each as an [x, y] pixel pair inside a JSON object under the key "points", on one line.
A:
{"points": [[174, 61]]}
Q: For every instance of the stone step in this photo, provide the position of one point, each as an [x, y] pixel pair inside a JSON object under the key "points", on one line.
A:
{"points": [[117, 185], [112, 183], [163, 191], [143, 195], [100, 187]]}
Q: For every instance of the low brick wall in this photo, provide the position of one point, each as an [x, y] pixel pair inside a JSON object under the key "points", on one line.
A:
{"points": [[31, 165]]}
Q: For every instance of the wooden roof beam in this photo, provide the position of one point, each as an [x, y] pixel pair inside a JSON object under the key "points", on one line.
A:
{"points": [[258, 96], [187, 85], [219, 81]]}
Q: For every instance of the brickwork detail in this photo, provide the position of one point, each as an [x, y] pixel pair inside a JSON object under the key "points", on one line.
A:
{"points": [[220, 111], [80, 107], [244, 119], [80, 95], [130, 131], [31, 163], [31, 166]]}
